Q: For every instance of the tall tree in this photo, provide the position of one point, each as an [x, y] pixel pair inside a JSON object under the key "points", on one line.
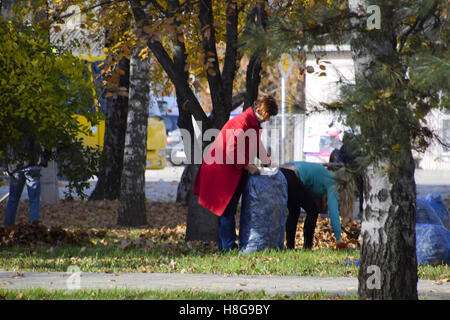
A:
{"points": [[113, 20], [132, 210], [201, 26], [388, 268], [387, 107], [117, 88], [388, 253], [42, 88], [110, 173]]}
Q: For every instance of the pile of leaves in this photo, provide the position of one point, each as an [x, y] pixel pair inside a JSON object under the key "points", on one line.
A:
{"points": [[98, 214], [80, 222], [324, 235], [29, 235]]}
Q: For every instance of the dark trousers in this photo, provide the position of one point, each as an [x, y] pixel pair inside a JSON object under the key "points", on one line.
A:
{"points": [[227, 221], [299, 196], [227, 225]]}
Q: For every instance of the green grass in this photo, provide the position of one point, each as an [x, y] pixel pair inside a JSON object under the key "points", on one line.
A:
{"points": [[128, 294], [99, 258], [113, 259]]}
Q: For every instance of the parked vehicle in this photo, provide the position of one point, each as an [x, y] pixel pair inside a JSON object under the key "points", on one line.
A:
{"points": [[168, 109]]}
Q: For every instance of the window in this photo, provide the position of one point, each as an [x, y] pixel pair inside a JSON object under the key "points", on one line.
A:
{"points": [[162, 106], [170, 123]]}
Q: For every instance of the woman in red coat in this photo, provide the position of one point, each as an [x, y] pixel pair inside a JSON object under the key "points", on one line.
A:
{"points": [[220, 179]]}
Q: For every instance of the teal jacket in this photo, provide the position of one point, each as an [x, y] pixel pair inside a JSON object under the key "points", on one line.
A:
{"points": [[321, 182]]}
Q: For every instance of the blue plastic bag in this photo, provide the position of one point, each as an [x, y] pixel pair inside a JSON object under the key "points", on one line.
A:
{"points": [[425, 213], [263, 213], [437, 203], [432, 244]]}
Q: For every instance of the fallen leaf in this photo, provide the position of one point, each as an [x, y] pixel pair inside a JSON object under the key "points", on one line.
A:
{"points": [[172, 265], [126, 243], [5, 283], [441, 281], [16, 275]]}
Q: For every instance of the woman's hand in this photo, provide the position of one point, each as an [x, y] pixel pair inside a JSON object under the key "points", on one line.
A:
{"points": [[267, 165], [252, 169]]}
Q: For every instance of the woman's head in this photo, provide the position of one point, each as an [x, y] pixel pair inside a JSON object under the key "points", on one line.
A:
{"points": [[265, 107]]}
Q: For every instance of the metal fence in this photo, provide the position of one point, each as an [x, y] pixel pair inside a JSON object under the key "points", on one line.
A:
{"points": [[287, 147]]}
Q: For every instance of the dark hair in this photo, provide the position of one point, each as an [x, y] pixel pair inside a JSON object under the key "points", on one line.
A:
{"points": [[268, 104]]}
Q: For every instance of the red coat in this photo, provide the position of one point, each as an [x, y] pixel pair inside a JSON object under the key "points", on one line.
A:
{"points": [[220, 171]]}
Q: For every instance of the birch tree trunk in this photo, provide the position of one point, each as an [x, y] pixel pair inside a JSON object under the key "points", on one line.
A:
{"points": [[388, 267], [132, 189]]}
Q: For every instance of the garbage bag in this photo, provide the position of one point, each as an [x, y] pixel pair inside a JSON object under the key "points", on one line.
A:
{"points": [[425, 213], [437, 203], [432, 244], [263, 213]]}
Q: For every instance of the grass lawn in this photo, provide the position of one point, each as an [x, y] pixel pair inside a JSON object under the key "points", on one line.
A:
{"points": [[122, 294], [197, 259]]}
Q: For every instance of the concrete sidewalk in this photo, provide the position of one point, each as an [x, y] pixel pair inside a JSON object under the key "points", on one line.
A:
{"points": [[286, 285]]}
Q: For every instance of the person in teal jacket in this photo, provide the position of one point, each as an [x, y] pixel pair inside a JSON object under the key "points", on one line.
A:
{"points": [[308, 181]]}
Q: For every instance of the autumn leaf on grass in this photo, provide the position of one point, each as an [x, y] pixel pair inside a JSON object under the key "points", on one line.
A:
{"points": [[172, 265], [126, 243]]}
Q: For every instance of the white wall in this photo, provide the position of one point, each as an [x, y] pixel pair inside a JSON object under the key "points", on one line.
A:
{"points": [[436, 157], [324, 89]]}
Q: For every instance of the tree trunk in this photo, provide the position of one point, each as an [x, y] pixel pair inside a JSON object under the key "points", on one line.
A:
{"points": [[252, 80], [132, 191], [388, 268], [203, 224], [258, 17], [221, 111], [109, 177]]}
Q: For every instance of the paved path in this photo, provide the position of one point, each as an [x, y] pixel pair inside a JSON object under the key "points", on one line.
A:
{"points": [[286, 285]]}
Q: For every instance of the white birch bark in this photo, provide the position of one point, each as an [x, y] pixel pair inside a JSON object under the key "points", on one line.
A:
{"points": [[132, 191], [388, 225]]}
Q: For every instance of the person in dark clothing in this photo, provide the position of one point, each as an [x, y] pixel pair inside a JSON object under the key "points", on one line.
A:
{"points": [[347, 155], [308, 183]]}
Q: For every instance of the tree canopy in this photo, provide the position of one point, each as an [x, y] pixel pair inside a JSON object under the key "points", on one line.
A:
{"points": [[42, 87]]}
